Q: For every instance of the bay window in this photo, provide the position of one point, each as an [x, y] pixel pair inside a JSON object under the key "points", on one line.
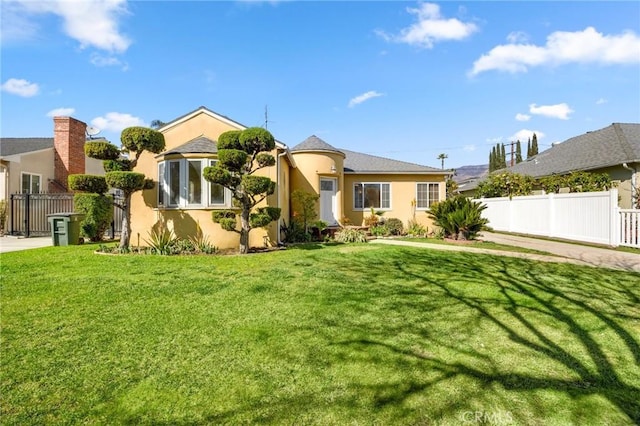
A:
{"points": [[181, 184]]}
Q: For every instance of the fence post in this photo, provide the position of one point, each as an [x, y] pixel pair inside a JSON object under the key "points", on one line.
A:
{"points": [[551, 203], [27, 215], [615, 218]]}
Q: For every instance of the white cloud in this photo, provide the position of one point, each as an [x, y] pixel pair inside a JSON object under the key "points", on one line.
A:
{"points": [[90, 22], [431, 27], [560, 111], [107, 61], [517, 37], [20, 87], [522, 117], [601, 101], [525, 134], [364, 97], [117, 121], [587, 46], [469, 148], [61, 112]]}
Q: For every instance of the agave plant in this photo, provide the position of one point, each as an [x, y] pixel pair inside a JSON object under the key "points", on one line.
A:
{"points": [[459, 217]]}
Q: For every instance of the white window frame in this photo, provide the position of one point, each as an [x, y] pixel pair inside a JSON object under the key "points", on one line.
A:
{"points": [[164, 186], [363, 208], [31, 176], [429, 201]]}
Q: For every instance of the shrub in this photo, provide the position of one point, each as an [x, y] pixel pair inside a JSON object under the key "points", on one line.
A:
{"points": [[264, 216], [3, 216], [294, 232], [395, 226], [98, 211], [88, 183], [416, 230], [459, 217], [126, 181], [101, 149], [350, 235], [505, 184], [380, 230]]}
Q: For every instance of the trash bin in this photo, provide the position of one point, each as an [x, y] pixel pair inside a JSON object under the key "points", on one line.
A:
{"points": [[65, 228]]}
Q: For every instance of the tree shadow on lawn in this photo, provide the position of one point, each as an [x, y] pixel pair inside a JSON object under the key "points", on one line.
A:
{"points": [[546, 311]]}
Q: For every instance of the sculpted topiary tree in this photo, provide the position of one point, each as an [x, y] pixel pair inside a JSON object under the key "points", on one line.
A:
{"points": [[119, 170], [240, 155]]}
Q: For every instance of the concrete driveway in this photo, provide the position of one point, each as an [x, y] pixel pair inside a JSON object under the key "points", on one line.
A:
{"points": [[8, 244]]}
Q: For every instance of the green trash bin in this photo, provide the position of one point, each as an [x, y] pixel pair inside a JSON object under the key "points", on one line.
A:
{"points": [[65, 228]]}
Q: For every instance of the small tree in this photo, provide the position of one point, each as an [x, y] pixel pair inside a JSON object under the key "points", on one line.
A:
{"points": [[534, 145], [240, 155], [518, 152], [119, 170], [304, 207]]}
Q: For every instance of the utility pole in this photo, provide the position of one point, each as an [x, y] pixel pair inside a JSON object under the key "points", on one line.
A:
{"points": [[512, 153]]}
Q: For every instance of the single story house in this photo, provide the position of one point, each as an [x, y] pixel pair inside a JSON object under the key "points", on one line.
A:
{"points": [[614, 150], [37, 165], [347, 183]]}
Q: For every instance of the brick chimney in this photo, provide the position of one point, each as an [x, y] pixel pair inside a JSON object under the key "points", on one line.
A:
{"points": [[68, 142]]}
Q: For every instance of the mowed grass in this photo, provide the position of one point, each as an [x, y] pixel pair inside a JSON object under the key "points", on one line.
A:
{"points": [[346, 334]]}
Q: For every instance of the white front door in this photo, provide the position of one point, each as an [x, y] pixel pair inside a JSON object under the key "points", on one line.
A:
{"points": [[328, 200]]}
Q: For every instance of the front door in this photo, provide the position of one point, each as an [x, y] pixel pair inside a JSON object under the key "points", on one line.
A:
{"points": [[328, 200]]}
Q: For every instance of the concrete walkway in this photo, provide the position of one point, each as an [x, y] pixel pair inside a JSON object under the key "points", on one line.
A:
{"points": [[564, 252], [594, 256], [8, 244]]}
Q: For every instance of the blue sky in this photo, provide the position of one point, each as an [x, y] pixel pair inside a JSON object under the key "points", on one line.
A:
{"points": [[404, 80]]}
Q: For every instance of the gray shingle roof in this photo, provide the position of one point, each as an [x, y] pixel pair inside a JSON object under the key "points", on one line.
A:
{"points": [[613, 145], [357, 162], [199, 145], [14, 146], [314, 143]]}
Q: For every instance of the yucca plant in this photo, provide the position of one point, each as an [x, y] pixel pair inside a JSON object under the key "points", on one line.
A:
{"points": [[459, 217], [161, 241], [201, 242]]}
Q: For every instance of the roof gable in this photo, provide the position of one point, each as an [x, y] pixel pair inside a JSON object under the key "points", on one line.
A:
{"points": [[199, 145], [213, 114], [16, 146]]}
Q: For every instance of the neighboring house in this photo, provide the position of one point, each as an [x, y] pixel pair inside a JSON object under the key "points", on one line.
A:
{"points": [[36, 165], [348, 183], [614, 150]]}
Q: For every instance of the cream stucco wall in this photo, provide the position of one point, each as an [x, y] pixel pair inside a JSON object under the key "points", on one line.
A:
{"points": [[311, 166], [184, 221], [37, 163], [403, 193]]}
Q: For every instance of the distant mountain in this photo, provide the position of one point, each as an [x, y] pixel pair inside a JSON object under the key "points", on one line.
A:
{"points": [[469, 172]]}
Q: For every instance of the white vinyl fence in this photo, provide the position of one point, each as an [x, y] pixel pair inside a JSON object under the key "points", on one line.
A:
{"points": [[592, 217]]}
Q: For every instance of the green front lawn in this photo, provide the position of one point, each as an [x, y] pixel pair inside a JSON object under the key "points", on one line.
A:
{"points": [[347, 334]]}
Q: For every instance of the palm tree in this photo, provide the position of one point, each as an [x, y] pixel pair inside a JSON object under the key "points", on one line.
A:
{"points": [[442, 157]]}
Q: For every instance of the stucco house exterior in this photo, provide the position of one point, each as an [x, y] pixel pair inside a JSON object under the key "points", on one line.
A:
{"points": [[614, 150], [348, 183], [37, 165]]}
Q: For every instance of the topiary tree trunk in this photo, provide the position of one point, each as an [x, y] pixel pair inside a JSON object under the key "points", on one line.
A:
{"points": [[240, 155]]}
